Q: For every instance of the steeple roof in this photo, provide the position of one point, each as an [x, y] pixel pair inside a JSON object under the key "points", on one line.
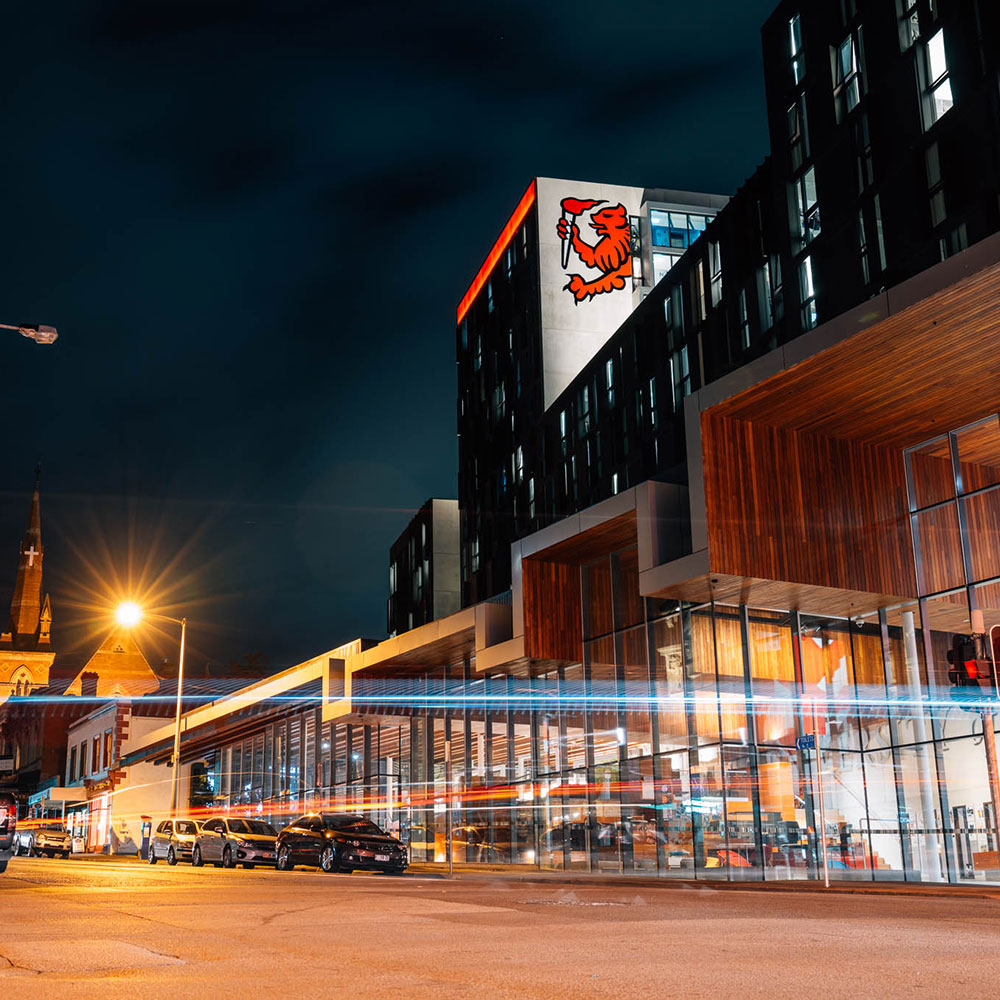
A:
{"points": [[26, 605]]}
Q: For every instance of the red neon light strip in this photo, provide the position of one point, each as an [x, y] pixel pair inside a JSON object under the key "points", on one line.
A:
{"points": [[513, 223]]}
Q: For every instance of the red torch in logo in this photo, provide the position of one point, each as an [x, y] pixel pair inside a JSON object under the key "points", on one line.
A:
{"points": [[571, 208]]}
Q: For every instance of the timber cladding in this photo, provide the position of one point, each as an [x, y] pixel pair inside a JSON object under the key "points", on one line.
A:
{"points": [[805, 508], [553, 626]]}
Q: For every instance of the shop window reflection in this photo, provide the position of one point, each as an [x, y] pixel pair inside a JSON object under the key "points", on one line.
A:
{"points": [[828, 681], [704, 692], [732, 683], [668, 684], [772, 670]]}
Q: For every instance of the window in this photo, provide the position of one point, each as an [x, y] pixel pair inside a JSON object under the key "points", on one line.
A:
{"points": [[715, 272], [83, 759], [95, 755], [878, 233], [680, 373], [772, 295], [795, 46], [107, 749], [489, 295], [909, 23], [863, 147], [798, 132], [807, 206], [677, 230], [847, 82], [863, 246], [937, 97], [652, 403], [662, 263], [935, 187], [956, 241], [744, 321], [72, 765], [807, 292], [609, 380]]}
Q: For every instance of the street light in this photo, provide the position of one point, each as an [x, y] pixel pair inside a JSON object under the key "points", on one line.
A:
{"points": [[129, 614], [33, 331]]}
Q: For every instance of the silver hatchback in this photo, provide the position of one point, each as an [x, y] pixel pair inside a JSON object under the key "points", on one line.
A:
{"points": [[230, 841], [173, 841]]}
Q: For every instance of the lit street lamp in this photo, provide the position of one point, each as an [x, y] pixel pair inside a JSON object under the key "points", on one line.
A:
{"points": [[39, 334], [129, 615]]}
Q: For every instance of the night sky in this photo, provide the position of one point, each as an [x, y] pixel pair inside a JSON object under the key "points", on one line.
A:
{"points": [[251, 223]]}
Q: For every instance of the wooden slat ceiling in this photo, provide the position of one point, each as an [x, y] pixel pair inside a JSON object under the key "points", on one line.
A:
{"points": [[930, 368], [611, 536]]}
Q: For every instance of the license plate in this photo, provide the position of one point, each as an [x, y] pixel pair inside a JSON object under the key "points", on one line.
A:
{"points": [[381, 857], [268, 854]]}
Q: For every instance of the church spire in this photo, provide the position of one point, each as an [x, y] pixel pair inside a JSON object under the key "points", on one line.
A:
{"points": [[26, 607]]}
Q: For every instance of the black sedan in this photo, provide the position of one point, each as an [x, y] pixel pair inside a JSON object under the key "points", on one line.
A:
{"points": [[339, 843]]}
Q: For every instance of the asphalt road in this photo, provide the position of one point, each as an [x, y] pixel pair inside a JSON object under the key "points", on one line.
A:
{"points": [[110, 929]]}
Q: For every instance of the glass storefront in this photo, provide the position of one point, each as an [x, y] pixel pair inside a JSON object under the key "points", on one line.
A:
{"points": [[680, 744]]}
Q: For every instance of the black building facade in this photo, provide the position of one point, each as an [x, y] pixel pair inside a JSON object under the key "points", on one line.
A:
{"points": [[884, 130]]}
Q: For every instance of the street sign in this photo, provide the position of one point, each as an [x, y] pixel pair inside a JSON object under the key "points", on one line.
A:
{"points": [[805, 742]]}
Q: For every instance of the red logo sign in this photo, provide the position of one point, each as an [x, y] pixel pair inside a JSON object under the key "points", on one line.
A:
{"points": [[610, 256]]}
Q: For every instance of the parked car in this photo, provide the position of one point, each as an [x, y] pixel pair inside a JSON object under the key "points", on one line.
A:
{"points": [[229, 841], [173, 841], [339, 843], [49, 839], [8, 827]]}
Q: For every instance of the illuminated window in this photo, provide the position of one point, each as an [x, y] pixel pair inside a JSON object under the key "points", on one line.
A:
{"points": [[798, 132], [609, 380], [938, 99], [807, 292], [847, 88], [662, 263], [715, 272], [795, 47], [909, 23], [807, 206], [772, 295]]}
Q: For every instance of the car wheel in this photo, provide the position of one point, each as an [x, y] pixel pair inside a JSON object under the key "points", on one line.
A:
{"points": [[328, 860], [196, 858], [249, 867], [15, 849], [33, 852], [284, 860], [65, 855], [227, 857], [152, 855], [171, 855]]}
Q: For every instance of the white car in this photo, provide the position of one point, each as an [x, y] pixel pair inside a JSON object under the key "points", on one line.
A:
{"points": [[50, 840]]}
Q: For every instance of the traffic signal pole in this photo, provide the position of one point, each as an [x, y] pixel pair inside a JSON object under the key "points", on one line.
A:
{"points": [[989, 741]]}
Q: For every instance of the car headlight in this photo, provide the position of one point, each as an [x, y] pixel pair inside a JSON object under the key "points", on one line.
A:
{"points": [[355, 843], [241, 843]]}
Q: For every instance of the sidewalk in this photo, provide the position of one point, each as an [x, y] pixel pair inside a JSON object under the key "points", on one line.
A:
{"points": [[530, 874]]}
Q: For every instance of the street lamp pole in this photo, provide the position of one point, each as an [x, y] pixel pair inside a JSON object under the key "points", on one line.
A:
{"points": [[130, 614], [177, 722]]}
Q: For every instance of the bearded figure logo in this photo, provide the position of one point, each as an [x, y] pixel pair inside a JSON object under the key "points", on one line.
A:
{"points": [[611, 255]]}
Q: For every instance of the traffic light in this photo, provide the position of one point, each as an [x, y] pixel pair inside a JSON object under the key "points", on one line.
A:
{"points": [[970, 672]]}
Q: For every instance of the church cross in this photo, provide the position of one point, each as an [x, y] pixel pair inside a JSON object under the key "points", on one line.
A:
{"points": [[31, 553]]}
